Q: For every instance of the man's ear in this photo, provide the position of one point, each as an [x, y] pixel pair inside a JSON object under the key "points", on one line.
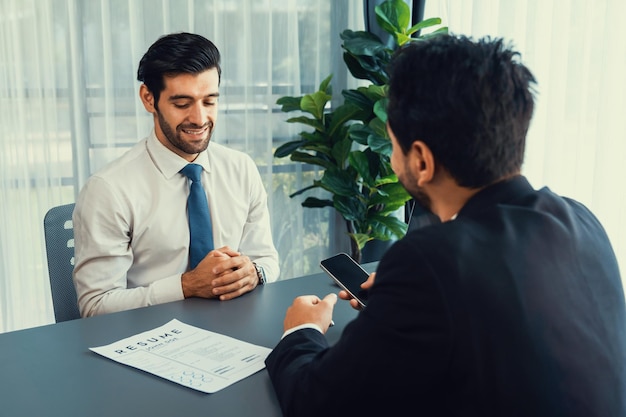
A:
{"points": [[423, 162], [147, 98]]}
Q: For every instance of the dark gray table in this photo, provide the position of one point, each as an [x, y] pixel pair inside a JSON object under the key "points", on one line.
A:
{"points": [[50, 371]]}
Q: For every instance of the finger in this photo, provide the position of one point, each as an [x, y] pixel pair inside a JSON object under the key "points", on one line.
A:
{"points": [[313, 299], [307, 299], [234, 294], [230, 252], [233, 263], [216, 253], [355, 305], [230, 279], [234, 288], [343, 294], [369, 282], [331, 299]]}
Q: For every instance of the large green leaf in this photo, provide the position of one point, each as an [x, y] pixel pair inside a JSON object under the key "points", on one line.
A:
{"points": [[318, 148], [361, 43], [380, 144], [401, 38], [360, 162], [392, 195], [373, 92], [388, 179], [374, 161], [359, 133], [380, 110], [326, 86], [316, 202], [393, 16], [307, 158], [350, 208], [310, 187], [387, 227], [287, 148], [440, 31], [360, 238], [367, 56], [424, 24], [339, 182], [289, 104], [360, 100], [385, 168], [315, 137], [368, 68], [357, 71], [376, 67], [341, 116], [340, 151], [307, 121], [315, 103], [379, 127], [365, 98]]}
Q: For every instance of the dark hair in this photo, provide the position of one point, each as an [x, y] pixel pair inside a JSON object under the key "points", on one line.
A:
{"points": [[174, 54], [470, 101]]}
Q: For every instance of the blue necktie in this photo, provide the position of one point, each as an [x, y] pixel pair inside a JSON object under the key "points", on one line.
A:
{"points": [[200, 229]]}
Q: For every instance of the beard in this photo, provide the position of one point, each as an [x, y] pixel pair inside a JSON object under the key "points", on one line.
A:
{"points": [[409, 182], [421, 198], [174, 136]]}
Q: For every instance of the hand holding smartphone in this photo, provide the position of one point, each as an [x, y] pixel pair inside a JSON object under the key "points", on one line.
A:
{"points": [[348, 274]]}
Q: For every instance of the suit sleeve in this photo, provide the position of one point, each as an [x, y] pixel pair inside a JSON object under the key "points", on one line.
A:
{"points": [[404, 333]]}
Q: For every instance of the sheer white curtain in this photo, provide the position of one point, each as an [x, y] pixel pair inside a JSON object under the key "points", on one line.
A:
{"points": [[69, 105], [577, 52]]}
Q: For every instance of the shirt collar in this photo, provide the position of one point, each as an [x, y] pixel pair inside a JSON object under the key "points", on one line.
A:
{"points": [[167, 162]]}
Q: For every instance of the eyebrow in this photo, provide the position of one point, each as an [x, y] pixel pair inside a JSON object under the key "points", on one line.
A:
{"points": [[185, 97]]}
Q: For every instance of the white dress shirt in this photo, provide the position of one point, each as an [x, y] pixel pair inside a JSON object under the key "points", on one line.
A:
{"points": [[131, 232]]}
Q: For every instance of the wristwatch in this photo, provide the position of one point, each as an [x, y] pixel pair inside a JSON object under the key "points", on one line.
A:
{"points": [[260, 273]]}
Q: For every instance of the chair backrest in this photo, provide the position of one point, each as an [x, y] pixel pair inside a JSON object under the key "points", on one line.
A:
{"points": [[59, 234]]}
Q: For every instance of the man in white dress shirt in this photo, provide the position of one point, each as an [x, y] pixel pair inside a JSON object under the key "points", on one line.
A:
{"points": [[130, 221]]}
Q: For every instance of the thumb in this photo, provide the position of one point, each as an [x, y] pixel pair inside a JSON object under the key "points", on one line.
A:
{"points": [[331, 298]]}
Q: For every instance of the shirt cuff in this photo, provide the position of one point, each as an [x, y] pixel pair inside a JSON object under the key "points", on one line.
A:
{"points": [[167, 290], [302, 326]]}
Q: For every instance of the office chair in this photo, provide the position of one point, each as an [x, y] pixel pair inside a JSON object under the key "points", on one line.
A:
{"points": [[59, 236]]}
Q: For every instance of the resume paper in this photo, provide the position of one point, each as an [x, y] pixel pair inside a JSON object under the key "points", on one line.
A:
{"points": [[189, 356]]}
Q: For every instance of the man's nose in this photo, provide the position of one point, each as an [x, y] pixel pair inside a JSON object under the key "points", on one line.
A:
{"points": [[198, 114]]}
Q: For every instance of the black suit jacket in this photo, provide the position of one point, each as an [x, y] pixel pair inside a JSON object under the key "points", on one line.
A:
{"points": [[516, 308]]}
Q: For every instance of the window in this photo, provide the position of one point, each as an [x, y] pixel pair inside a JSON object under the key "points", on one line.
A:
{"points": [[69, 104]]}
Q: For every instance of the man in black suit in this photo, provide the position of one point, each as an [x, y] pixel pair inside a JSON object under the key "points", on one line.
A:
{"points": [[512, 306]]}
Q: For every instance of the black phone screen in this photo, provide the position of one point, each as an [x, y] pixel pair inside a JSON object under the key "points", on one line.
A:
{"points": [[348, 274]]}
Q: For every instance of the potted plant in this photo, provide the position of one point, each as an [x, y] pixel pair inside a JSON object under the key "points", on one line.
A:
{"points": [[350, 142]]}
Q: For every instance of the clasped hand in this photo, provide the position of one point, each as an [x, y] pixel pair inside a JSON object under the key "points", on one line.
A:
{"points": [[223, 273]]}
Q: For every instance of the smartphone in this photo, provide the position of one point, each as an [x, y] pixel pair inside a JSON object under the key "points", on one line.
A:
{"points": [[348, 274]]}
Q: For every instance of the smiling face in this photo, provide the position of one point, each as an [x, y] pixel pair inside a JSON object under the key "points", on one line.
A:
{"points": [[184, 117]]}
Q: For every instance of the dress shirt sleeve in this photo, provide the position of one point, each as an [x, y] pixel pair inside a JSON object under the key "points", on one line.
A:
{"points": [[302, 326], [256, 240], [103, 255]]}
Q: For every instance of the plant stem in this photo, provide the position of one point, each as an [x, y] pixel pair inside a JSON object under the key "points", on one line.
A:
{"points": [[355, 252]]}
